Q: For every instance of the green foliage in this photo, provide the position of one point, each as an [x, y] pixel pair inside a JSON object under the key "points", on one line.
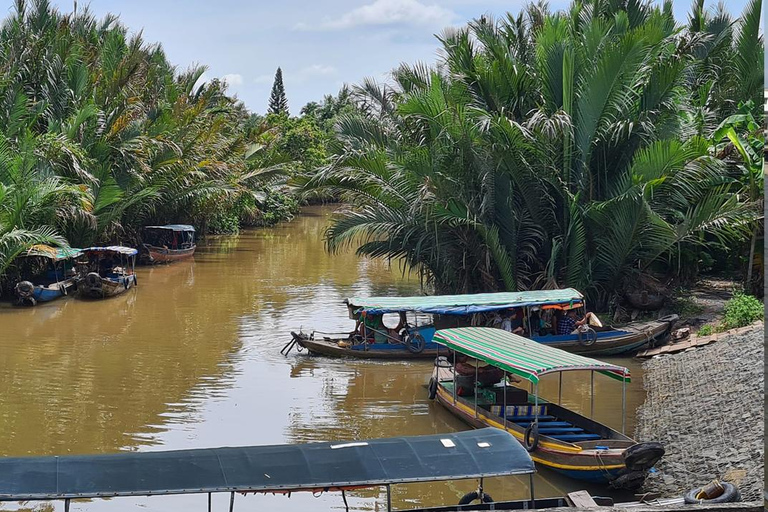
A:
{"points": [[741, 311], [278, 102], [100, 134], [577, 148], [706, 330]]}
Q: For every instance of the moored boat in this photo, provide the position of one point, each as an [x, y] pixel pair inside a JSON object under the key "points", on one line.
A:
{"points": [[540, 312], [474, 385], [166, 244], [110, 271], [58, 281]]}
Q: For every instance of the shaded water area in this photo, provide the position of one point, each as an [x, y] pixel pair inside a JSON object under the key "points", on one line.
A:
{"points": [[191, 359]]}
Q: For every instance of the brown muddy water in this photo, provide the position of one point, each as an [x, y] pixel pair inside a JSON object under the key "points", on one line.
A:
{"points": [[191, 359]]}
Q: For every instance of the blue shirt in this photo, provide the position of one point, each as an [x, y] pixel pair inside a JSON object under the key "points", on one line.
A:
{"points": [[566, 325]]}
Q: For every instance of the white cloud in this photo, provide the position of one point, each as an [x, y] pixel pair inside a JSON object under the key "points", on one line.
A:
{"points": [[233, 79], [318, 69], [387, 12]]}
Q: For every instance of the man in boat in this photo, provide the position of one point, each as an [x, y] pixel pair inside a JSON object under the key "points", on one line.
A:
{"points": [[513, 323], [569, 323]]}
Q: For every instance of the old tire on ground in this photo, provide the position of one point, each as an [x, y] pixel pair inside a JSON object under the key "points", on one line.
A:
{"points": [[643, 456], [669, 318], [531, 443], [473, 496], [629, 481], [730, 495], [416, 343], [432, 388]]}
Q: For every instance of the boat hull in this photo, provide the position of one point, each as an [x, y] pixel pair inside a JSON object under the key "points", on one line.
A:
{"points": [[597, 466], [47, 293], [163, 255], [331, 348], [613, 342], [109, 287]]}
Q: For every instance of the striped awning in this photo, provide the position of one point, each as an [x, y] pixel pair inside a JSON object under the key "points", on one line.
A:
{"points": [[521, 356]]}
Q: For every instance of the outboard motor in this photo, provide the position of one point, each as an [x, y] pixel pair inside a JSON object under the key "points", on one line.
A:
{"points": [[25, 292]]}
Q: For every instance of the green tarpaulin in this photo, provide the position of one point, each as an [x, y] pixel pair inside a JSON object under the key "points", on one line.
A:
{"points": [[519, 355]]}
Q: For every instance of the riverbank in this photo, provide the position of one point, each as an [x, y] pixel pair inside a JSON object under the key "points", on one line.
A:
{"points": [[706, 406]]}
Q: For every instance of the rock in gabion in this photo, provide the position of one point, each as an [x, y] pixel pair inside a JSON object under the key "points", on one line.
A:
{"points": [[706, 406]]}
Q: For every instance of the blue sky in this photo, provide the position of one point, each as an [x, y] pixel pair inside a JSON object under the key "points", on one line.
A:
{"points": [[320, 45]]}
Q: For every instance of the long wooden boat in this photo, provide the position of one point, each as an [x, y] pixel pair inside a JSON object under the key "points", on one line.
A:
{"points": [[110, 271], [478, 309], [557, 437], [355, 347], [166, 244], [59, 281]]}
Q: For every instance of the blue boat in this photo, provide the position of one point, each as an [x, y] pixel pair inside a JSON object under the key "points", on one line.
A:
{"points": [[110, 271], [59, 280]]}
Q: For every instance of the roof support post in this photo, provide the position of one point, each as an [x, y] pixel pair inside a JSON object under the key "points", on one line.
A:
{"points": [[560, 390], [454, 377], [536, 407], [66, 505], [592, 394], [209, 502], [504, 411], [623, 403], [477, 384], [232, 501], [533, 495], [389, 498], [344, 497]]}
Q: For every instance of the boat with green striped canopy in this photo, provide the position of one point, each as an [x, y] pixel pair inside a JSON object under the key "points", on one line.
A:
{"points": [[476, 383]]}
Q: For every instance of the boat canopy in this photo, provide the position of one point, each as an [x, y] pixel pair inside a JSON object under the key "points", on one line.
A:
{"points": [[173, 227], [119, 249], [465, 304], [278, 468], [53, 253], [521, 356]]}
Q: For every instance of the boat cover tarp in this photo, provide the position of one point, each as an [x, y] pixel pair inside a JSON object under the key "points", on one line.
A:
{"points": [[520, 356], [464, 304], [54, 253], [173, 227], [119, 249], [278, 468]]}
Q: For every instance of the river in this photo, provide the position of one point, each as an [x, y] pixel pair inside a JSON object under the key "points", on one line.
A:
{"points": [[191, 359]]}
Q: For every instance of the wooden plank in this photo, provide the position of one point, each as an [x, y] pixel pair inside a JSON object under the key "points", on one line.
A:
{"points": [[581, 499]]}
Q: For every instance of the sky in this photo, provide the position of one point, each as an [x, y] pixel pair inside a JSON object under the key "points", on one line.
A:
{"points": [[320, 45]]}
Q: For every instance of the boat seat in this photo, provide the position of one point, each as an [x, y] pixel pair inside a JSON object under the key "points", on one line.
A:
{"points": [[576, 437], [560, 430], [518, 411], [529, 418], [546, 423]]}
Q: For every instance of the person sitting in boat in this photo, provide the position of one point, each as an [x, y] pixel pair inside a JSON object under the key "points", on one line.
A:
{"points": [[568, 324], [513, 323], [487, 375]]}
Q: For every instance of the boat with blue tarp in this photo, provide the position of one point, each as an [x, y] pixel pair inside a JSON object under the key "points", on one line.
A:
{"points": [[541, 315], [109, 271], [477, 384], [57, 279]]}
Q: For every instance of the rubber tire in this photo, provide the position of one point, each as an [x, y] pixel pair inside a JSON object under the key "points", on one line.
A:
{"points": [[420, 343], [730, 495], [643, 456], [629, 481], [669, 318], [432, 388], [587, 338], [472, 496], [533, 428]]}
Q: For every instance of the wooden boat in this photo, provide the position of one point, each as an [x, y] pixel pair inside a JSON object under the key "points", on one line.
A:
{"points": [[166, 244], [482, 308], [59, 281], [355, 347], [557, 437], [110, 271]]}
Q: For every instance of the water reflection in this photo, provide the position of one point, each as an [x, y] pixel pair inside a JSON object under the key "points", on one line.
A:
{"points": [[190, 359]]}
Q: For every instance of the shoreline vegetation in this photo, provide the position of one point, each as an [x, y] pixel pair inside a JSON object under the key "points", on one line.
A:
{"points": [[604, 147]]}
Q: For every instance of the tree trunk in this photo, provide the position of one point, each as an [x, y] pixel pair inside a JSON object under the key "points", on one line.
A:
{"points": [[751, 262]]}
